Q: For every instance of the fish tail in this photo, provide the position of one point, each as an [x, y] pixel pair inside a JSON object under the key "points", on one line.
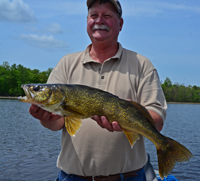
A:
{"points": [[170, 154]]}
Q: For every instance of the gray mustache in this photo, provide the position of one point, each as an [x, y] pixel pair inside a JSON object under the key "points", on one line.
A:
{"points": [[100, 27]]}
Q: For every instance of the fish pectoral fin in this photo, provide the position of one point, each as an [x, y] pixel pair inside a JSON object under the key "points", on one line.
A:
{"points": [[72, 125], [132, 137]]}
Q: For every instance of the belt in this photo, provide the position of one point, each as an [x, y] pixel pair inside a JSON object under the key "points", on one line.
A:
{"points": [[110, 177]]}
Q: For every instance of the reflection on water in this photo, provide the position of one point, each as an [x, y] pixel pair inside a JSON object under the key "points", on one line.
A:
{"points": [[28, 151]]}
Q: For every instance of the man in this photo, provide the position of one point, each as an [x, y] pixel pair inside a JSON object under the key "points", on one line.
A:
{"points": [[96, 153]]}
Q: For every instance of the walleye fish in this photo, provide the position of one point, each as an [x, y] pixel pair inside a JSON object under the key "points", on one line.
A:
{"points": [[76, 102]]}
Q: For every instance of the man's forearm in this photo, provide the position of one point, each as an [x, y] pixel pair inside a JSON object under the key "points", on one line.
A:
{"points": [[157, 119]]}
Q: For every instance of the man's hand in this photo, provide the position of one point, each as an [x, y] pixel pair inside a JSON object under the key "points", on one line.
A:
{"points": [[41, 114], [49, 120], [104, 123], [114, 126]]}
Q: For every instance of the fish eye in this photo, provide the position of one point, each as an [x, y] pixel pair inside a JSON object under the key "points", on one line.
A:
{"points": [[36, 88]]}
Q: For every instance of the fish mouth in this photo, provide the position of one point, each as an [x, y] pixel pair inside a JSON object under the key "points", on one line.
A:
{"points": [[28, 94]]}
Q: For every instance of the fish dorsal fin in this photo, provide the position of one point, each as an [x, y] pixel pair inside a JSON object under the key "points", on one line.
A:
{"points": [[72, 125], [92, 89], [145, 112], [132, 137]]}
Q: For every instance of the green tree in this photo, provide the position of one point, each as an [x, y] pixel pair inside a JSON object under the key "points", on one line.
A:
{"points": [[180, 93], [5, 79], [167, 89], [12, 77]]}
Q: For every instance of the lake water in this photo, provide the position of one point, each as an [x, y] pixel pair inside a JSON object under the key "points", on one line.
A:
{"points": [[28, 151], [183, 125]]}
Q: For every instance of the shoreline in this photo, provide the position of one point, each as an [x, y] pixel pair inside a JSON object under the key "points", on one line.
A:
{"points": [[8, 97], [183, 103]]}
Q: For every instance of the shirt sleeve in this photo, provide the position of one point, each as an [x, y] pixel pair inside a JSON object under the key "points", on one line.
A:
{"points": [[150, 94], [59, 73]]}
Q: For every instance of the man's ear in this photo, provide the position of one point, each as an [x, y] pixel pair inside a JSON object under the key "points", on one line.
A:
{"points": [[121, 23]]}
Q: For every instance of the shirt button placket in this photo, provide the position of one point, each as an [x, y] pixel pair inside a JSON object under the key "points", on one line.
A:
{"points": [[102, 78]]}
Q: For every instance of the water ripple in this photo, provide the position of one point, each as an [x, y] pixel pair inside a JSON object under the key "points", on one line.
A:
{"points": [[183, 125], [28, 150]]}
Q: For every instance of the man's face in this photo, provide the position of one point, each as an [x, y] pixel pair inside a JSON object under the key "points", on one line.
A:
{"points": [[103, 23]]}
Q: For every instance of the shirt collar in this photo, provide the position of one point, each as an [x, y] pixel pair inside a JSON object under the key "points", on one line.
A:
{"points": [[87, 58]]}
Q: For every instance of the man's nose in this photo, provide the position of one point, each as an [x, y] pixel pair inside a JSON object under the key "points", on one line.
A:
{"points": [[99, 20]]}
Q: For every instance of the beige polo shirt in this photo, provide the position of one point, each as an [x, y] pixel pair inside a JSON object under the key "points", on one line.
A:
{"points": [[96, 151]]}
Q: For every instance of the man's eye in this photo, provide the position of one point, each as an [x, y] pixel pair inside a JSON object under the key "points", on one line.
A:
{"points": [[93, 15]]}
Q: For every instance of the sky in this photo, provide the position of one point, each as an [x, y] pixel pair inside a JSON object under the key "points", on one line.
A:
{"points": [[37, 34]]}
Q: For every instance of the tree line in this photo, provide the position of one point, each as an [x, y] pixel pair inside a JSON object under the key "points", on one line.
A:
{"points": [[12, 77], [180, 93]]}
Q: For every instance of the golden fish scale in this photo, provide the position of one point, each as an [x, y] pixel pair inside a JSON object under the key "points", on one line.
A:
{"points": [[102, 103]]}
